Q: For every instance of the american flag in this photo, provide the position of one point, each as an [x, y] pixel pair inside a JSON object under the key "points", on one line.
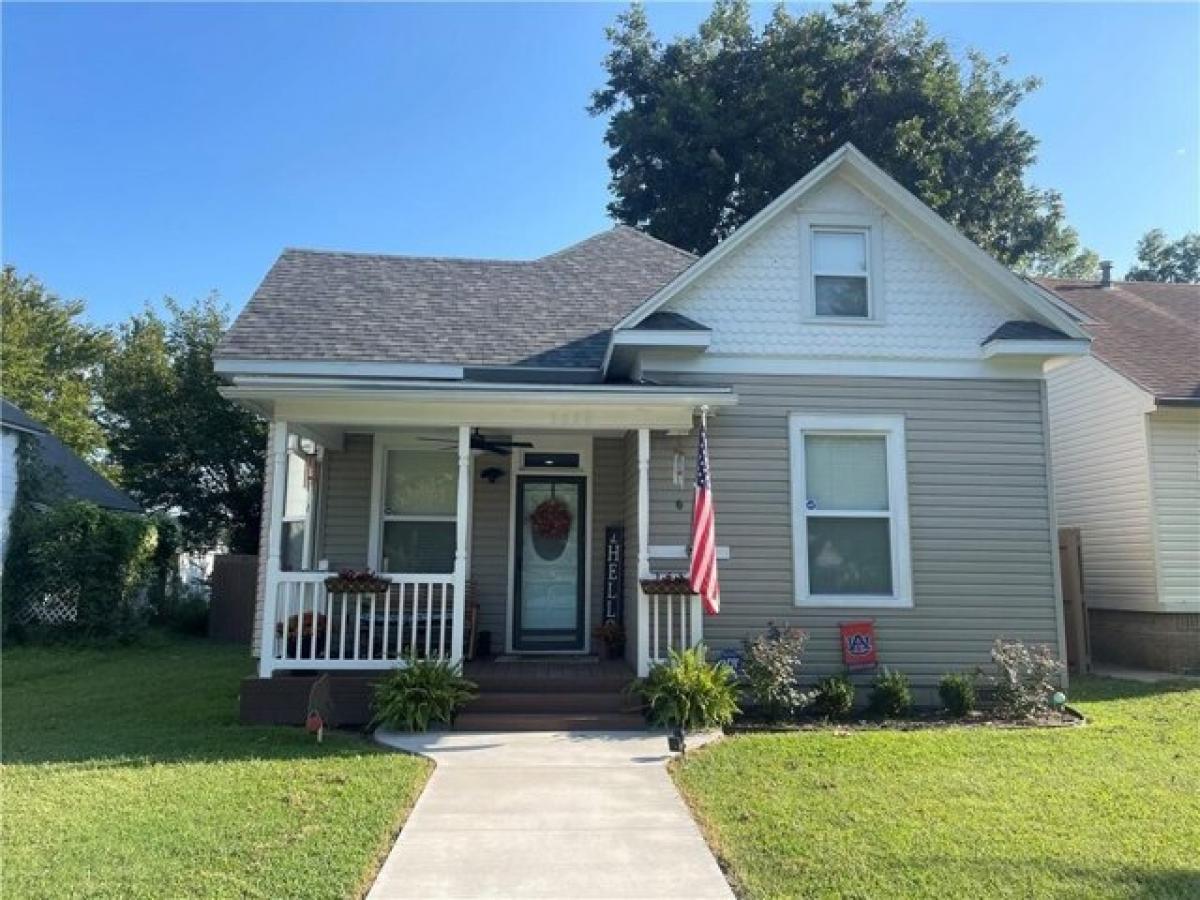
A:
{"points": [[703, 574]]}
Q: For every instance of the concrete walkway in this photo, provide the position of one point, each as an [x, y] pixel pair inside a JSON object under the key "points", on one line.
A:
{"points": [[548, 814]]}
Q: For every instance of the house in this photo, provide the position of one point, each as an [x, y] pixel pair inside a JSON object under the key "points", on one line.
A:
{"points": [[877, 421], [77, 480], [1125, 431]]}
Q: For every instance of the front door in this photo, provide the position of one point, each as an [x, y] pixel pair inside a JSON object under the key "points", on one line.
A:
{"points": [[548, 565]]}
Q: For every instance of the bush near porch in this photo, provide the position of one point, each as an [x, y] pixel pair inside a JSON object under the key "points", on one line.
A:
{"points": [[126, 775], [1111, 809]]}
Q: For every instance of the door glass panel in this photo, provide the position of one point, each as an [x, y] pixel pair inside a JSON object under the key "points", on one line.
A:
{"points": [[549, 574]]}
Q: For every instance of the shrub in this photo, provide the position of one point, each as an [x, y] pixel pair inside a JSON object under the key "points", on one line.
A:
{"points": [[957, 690], [689, 692], [891, 695], [184, 611], [833, 697], [76, 570], [1026, 678], [422, 693], [771, 666]]}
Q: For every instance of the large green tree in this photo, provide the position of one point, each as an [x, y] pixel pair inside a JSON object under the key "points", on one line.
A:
{"points": [[180, 444], [50, 358], [1161, 259], [707, 129]]}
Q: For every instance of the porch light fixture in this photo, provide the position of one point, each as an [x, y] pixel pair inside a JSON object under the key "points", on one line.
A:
{"points": [[492, 474]]}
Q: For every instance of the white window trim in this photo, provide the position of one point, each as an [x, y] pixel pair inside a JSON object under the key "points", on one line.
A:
{"points": [[306, 518], [892, 429], [381, 444], [872, 227]]}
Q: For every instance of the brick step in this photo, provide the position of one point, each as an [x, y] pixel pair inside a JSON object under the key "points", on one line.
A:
{"points": [[521, 702], [600, 721]]}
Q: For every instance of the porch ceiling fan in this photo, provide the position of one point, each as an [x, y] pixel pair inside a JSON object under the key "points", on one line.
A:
{"points": [[483, 443]]}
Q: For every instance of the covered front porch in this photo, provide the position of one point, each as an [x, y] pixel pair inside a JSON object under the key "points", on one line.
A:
{"points": [[501, 529]]}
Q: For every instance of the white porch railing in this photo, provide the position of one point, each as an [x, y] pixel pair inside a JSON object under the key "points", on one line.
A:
{"points": [[675, 622], [313, 628]]}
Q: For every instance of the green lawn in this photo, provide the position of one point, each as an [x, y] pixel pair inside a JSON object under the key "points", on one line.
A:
{"points": [[1108, 810], [126, 775]]}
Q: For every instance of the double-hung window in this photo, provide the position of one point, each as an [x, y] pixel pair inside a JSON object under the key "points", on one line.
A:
{"points": [[420, 504], [298, 499], [842, 263], [850, 511]]}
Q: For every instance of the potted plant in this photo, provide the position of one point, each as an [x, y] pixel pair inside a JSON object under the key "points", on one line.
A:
{"points": [[611, 634], [300, 630], [667, 583]]}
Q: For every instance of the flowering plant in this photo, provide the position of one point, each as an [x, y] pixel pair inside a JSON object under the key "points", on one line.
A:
{"points": [[551, 519]]}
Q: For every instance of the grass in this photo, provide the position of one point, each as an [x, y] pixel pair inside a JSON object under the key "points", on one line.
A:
{"points": [[1107, 810], [126, 775]]}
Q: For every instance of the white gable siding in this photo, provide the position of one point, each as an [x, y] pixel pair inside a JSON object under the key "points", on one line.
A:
{"points": [[1175, 480], [1102, 481], [752, 300]]}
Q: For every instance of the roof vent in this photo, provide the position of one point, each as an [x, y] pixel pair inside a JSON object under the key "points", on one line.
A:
{"points": [[1106, 273]]}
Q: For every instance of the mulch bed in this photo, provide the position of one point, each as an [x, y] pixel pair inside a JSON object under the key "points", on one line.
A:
{"points": [[919, 721]]}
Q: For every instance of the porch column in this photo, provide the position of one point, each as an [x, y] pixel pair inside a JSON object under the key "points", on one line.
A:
{"points": [[462, 539], [276, 474], [643, 553]]}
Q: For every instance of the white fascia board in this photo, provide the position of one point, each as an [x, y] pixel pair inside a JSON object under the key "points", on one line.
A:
{"points": [[1036, 348], [342, 368], [699, 340], [727, 365], [898, 201]]}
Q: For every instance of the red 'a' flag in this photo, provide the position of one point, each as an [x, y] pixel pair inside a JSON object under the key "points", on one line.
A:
{"points": [[703, 574]]}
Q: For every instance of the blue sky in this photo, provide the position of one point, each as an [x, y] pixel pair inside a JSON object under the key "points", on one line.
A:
{"points": [[173, 150]]}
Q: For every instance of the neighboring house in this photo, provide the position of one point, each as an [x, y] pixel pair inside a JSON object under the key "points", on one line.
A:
{"points": [[79, 481], [877, 436], [1125, 425]]}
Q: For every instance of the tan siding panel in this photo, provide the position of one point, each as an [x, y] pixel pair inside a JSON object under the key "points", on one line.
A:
{"points": [[1101, 481], [348, 503], [489, 546], [1175, 476], [979, 516]]}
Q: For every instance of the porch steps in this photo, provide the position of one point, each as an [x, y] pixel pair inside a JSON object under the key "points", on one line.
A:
{"points": [[581, 695], [469, 721]]}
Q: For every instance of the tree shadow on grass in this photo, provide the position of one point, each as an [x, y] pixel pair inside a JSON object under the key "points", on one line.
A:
{"points": [[144, 705], [1098, 688]]}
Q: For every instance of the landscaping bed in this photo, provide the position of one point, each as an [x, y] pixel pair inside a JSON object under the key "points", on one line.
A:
{"points": [[918, 720], [1109, 810], [126, 775]]}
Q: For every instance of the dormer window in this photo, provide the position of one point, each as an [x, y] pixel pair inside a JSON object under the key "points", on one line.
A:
{"points": [[842, 263], [841, 282]]}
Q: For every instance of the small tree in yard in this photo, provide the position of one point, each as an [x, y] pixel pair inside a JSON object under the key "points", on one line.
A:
{"points": [[771, 668], [1026, 678]]}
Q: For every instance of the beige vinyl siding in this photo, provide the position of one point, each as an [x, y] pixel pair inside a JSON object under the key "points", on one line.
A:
{"points": [[979, 516], [608, 508], [490, 525], [348, 503], [1102, 482], [1175, 481]]}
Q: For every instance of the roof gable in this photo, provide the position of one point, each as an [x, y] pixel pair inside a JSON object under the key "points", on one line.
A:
{"points": [[850, 165]]}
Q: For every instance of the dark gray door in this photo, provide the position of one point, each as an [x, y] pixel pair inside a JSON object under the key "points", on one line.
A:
{"points": [[549, 563]]}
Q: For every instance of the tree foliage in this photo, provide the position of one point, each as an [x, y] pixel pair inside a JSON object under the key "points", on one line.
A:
{"points": [[1161, 259], [179, 443], [50, 359], [707, 129]]}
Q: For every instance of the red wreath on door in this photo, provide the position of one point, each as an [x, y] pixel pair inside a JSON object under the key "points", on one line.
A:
{"points": [[551, 519]]}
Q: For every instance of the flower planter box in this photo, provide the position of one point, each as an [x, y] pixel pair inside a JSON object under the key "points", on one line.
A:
{"points": [[666, 584], [349, 586]]}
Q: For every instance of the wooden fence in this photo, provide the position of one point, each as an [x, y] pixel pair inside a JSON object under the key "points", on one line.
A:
{"points": [[1070, 555], [231, 608]]}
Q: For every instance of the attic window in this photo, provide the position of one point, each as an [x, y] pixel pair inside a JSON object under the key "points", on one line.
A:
{"points": [[842, 265], [841, 279]]}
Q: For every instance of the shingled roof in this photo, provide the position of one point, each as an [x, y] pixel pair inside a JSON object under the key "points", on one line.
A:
{"points": [[556, 311], [79, 480], [1147, 331]]}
